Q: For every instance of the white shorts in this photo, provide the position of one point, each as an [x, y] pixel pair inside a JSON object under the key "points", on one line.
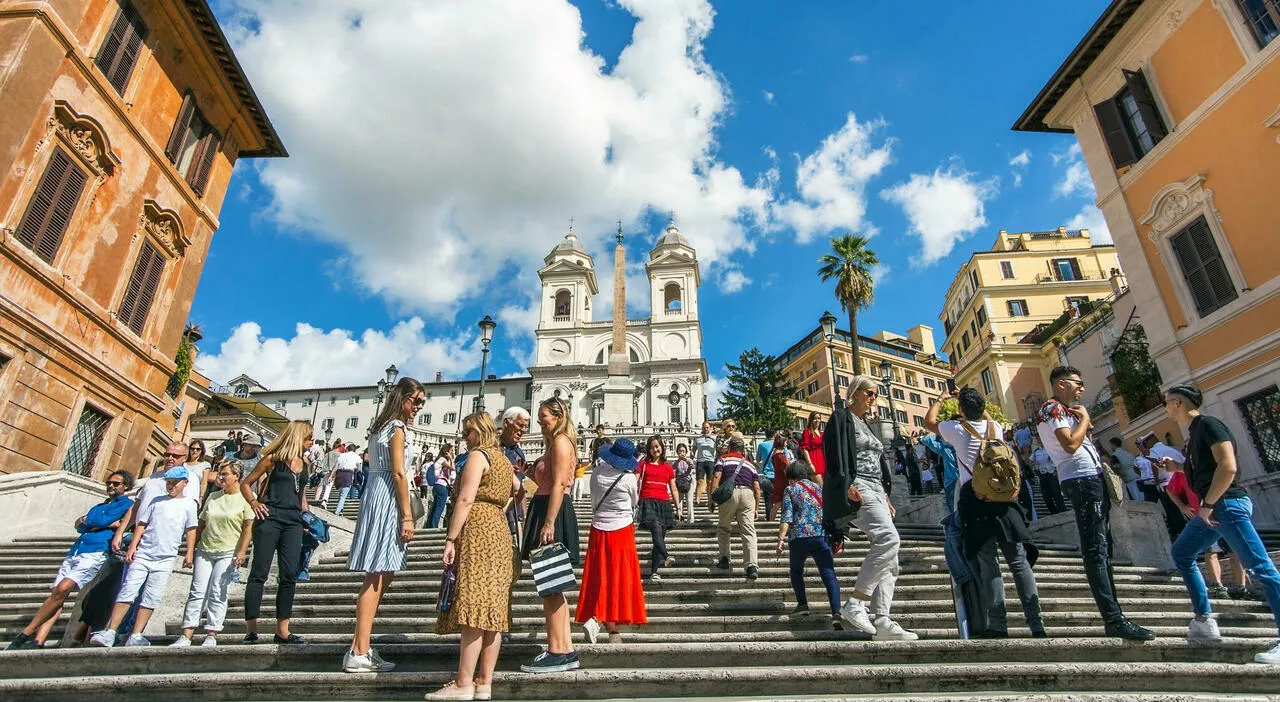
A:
{"points": [[149, 577], [80, 568]]}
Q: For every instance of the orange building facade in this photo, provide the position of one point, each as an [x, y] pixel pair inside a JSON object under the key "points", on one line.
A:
{"points": [[121, 123], [1176, 106]]}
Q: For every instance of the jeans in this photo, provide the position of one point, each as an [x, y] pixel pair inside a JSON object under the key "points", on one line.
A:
{"points": [[991, 585], [1234, 516], [439, 496], [1132, 492], [658, 533], [342, 499], [949, 490], [879, 571], [1052, 490], [282, 538], [686, 498], [1093, 513], [740, 508], [817, 548], [210, 587]]}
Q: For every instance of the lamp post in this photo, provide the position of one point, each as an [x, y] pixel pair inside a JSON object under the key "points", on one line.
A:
{"points": [[383, 384], [886, 378], [828, 322], [487, 325], [328, 438], [687, 418]]}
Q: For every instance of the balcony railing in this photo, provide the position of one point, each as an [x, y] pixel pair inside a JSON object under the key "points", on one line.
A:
{"points": [[560, 318], [1055, 278]]}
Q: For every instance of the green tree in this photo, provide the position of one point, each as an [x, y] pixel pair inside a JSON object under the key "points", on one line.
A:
{"points": [[757, 395], [849, 264], [951, 410], [1137, 379]]}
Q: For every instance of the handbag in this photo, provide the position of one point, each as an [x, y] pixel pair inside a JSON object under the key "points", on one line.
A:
{"points": [[724, 491], [1110, 481], [417, 507], [552, 571], [448, 588]]}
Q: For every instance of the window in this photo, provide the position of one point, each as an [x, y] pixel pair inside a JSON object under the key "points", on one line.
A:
{"points": [[988, 383], [1017, 308], [1263, 19], [1202, 267], [882, 412], [813, 388], [241, 390], [928, 383], [1078, 305], [352, 422], [901, 416], [279, 405], [52, 204], [964, 341], [898, 394], [911, 379], [327, 424], [142, 287], [564, 304], [973, 327], [1130, 121], [120, 51], [842, 381], [306, 402], [353, 400], [1261, 412], [917, 420], [333, 401], [452, 394], [973, 276], [981, 316], [799, 395], [192, 145], [86, 440], [673, 415], [915, 398], [1065, 269], [425, 419], [450, 417], [1006, 270]]}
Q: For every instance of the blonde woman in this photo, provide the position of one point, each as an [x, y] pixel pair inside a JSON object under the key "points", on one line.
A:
{"points": [[384, 527], [479, 541], [281, 478], [551, 520]]}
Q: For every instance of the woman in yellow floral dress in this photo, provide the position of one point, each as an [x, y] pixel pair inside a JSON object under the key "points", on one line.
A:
{"points": [[480, 542]]}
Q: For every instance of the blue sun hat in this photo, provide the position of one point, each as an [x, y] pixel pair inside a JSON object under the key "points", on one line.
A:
{"points": [[176, 473], [621, 454]]}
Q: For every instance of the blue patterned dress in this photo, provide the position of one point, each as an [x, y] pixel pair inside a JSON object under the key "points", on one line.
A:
{"points": [[376, 546]]}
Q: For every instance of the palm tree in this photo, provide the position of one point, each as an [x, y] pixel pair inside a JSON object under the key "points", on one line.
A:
{"points": [[849, 264]]}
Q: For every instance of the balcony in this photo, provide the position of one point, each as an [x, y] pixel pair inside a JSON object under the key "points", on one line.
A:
{"points": [[561, 318], [1056, 278]]}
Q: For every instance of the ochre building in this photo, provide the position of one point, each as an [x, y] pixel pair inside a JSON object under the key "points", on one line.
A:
{"points": [[1176, 106], [121, 123]]}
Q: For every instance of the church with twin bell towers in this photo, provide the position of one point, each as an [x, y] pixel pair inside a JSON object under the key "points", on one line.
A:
{"points": [[619, 371]]}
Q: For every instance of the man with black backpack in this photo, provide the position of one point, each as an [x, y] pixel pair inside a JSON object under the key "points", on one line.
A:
{"points": [[989, 482]]}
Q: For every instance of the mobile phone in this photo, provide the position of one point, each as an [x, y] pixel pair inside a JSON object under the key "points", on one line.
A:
{"points": [[951, 385]]}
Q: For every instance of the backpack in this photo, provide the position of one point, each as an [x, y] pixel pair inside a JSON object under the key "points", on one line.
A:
{"points": [[430, 478], [996, 477], [684, 475]]}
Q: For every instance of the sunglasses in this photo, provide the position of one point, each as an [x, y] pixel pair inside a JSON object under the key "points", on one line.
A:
{"points": [[176, 455], [1075, 381], [418, 401], [114, 483]]}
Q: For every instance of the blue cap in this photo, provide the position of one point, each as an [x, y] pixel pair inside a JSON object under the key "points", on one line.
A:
{"points": [[176, 473]]}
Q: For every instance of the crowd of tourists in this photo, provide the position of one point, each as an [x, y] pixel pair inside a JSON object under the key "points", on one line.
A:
{"points": [[500, 511]]}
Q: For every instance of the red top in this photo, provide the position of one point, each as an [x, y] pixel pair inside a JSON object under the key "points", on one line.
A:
{"points": [[655, 480], [1180, 487], [545, 478], [811, 441]]}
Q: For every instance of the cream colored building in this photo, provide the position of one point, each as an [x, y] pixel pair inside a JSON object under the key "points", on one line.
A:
{"points": [[1006, 303], [918, 373]]}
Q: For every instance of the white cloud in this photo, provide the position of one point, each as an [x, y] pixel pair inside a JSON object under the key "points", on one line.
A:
{"points": [[316, 357], [943, 208], [768, 96], [733, 280], [1019, 165], [450, 139], [1075, 179], [714, 390], [832, 181], [1090, 217], [858, 58], [880, 274]]}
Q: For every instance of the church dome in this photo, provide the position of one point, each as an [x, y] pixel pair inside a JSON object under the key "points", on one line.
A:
{"points": [[671, 237], [569, 247]]}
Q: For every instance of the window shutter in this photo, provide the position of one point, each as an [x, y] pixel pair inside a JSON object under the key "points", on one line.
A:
{"points": [[129, 52], [141, 290], [1147, 108], [1111, 120], [180, 128], [1203, 268], [208, 150], [52, 204], [1075, 269], [109, 53]]}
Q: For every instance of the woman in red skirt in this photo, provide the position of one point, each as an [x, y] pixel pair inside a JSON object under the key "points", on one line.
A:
{"points": [[611, 592], [811, 444]]}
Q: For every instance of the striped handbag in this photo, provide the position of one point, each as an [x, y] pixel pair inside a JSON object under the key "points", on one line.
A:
{"points": [[552, 571]]}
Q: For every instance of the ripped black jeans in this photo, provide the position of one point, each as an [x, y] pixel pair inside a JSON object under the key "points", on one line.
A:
{"points": [[1089, 499]]}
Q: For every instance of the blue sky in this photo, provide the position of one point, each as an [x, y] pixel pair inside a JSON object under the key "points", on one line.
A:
{"points": [[438, 151]]}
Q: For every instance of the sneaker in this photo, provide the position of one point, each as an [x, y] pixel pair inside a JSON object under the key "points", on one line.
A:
{"points": [[1242, 593], [671, 561], [592, 627], [22, 642], [451, 691], [655, 578], [547, 662], [138, 640], [181, 642], [753, 572], [303, 577], [484, 692], [837, 624], [250, 638], [572, 658], [105, 638], [854, 613], [209, 641], [1203, 630], [290, 640], [352, 663], [1127, 630], [383, 663], [723, 563], [1218, 592], [889, 630], [1270, 656], [799, 612]]}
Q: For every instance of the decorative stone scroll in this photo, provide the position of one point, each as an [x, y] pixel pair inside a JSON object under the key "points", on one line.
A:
{"points": [[1174, 201], [85, 135], [164, 227]]}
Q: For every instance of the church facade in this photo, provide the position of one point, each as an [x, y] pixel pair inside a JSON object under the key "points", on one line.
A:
{"points": [[619, 371]]}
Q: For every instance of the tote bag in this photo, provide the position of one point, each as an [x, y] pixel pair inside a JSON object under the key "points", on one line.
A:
{"points": [[552, 570]]}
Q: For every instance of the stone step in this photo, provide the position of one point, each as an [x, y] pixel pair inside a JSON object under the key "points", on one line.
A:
{"points": [[688, 682]]}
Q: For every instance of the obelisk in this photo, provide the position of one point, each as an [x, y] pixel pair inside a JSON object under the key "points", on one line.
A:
{"points": [[617, 389]]}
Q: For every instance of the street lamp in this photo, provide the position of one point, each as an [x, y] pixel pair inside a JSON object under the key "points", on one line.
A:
{"points": [[886, 377], [487, 325], [384, 384], [328, 437], [392, 372], [828, 322]]}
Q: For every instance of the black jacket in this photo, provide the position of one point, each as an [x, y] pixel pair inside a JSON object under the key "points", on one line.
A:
{"points": [[838, 449]]}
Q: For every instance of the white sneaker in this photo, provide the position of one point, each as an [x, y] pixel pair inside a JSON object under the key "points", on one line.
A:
{"points": [[105, 638], [139, 640], [592, 627], [889, 630], [182, 642], [209, 641], [351, 663], [383, 665], [1203, 631], [1270, 656], [854, 613]]}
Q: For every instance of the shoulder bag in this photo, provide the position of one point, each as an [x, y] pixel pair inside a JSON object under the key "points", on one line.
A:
{"points": [[724, 491]]}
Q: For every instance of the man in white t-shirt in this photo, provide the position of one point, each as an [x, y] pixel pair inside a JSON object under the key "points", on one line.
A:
{"points": [[986, 525], [174, 455], [1047, 475], [1063, 425]]}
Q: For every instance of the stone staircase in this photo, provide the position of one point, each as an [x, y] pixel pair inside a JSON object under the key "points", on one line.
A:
{"points": [[711, 634]]}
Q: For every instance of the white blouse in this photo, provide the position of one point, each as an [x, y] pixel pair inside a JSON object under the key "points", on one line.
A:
{"points": [[617, 509]]}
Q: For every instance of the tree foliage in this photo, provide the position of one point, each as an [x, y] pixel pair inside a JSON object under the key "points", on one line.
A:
{"points": [[757, 394], [1137, 379], [849, 264], [951, 410]]}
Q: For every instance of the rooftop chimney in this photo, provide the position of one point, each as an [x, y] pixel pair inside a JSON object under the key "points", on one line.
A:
{"points": [[439, 376]]}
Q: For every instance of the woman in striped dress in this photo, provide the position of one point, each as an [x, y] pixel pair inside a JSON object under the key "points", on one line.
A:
{"points": [[384, 527]]}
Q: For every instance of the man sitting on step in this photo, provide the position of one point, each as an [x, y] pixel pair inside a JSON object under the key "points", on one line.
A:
{"points": [[83, 561]]}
